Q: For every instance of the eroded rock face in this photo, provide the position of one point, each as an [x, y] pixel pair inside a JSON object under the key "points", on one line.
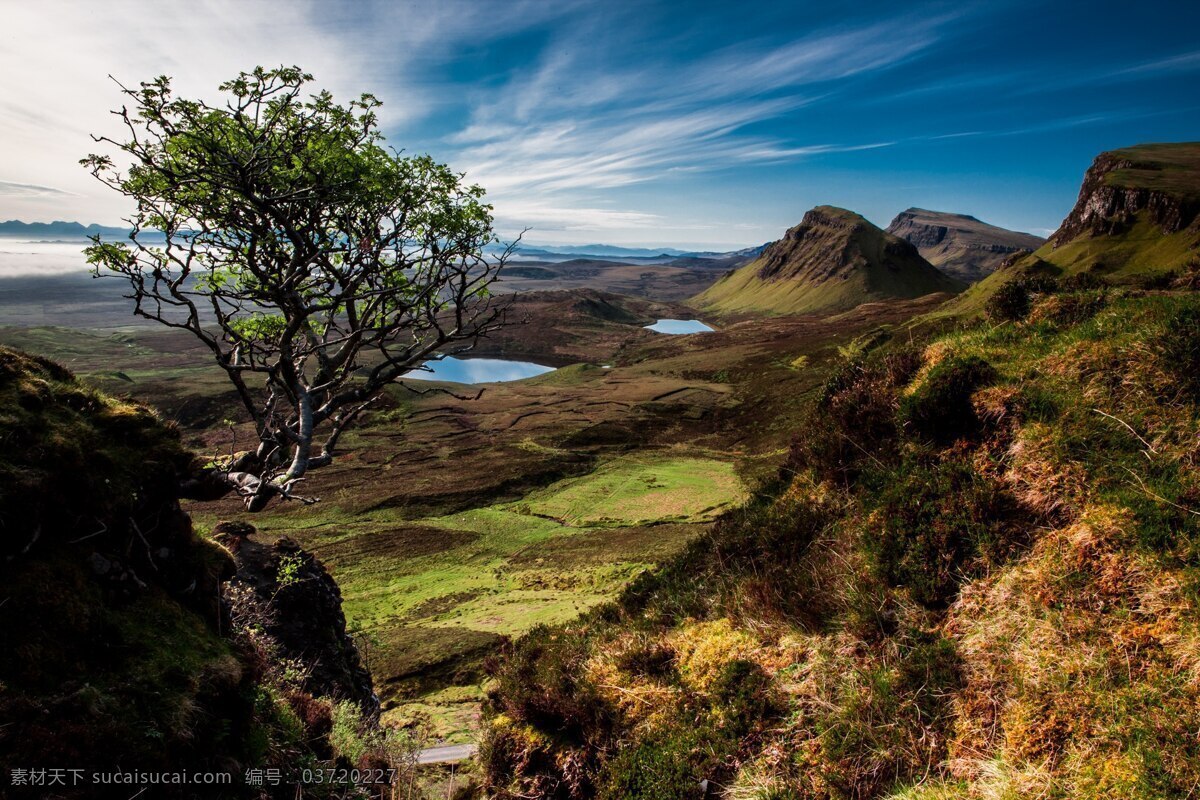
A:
{"points": [[1105, 206], [960, 245], [293, 606]]}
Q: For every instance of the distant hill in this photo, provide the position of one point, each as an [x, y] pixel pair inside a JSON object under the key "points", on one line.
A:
{"points": [[1137, 215], [58, 229], [832, 261], [960, 245], [608, 251]]}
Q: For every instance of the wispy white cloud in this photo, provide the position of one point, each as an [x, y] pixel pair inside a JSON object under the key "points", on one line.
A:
{"points": [[10, 189], [568, 129], [57, 57], [1184, 62], [1060, 124], [544, 217], [58, 54]]}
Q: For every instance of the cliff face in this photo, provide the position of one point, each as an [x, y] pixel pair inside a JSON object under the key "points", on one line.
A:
{"points": [[958, 244], [832, 261], [1161, 180]]}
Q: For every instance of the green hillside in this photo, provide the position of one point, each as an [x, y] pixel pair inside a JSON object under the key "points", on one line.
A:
{"points": [[832, 261]]}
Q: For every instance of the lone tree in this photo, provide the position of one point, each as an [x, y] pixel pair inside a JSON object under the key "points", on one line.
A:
{"points": [[317, 265]]}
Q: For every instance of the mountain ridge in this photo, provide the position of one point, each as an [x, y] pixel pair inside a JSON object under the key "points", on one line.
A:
{"points": [[832, 261], [16, 227]]}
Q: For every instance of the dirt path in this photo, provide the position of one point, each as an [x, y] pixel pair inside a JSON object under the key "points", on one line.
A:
{"points": [[445, 754]]}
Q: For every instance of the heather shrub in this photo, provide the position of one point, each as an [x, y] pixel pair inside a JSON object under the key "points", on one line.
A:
{"points": [[540, 682], [1179, 350], [939, 524], [1009, 303], [940, 408], [855, 416], [668, 765]]}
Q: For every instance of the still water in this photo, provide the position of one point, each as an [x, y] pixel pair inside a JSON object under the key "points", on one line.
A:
{"points": [[477, 370], [675, 326]]}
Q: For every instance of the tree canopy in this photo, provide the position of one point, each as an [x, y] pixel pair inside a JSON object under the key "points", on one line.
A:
{"points": [[316, 264]]}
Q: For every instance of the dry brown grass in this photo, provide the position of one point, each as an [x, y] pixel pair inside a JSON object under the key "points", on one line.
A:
{"points": [[1061, 652]]}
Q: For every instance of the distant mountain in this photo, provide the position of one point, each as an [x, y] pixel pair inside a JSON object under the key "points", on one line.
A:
{"points": [[58, 229], [745, 252], [832, 261], [960, 245], [599, 251], [1137, 215]]}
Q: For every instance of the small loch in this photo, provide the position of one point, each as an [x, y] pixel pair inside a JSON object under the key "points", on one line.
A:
{"points": [[476, 370], [679, 326]]}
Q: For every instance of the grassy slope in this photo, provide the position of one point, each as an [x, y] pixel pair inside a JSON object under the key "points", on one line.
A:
{"points": [[1007, 612], [1141, 251], [744, 291]]}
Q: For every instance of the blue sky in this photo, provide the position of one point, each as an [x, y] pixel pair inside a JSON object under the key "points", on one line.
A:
{"points": [[700, 124]]}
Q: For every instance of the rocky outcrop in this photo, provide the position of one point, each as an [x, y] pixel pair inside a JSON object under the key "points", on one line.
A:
{"points": [[110, 654], [286, 599], [960, 245], [832, 261], [1160, 180]]}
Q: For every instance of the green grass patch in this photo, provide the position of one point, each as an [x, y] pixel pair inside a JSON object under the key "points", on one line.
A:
{"points": [[635, 491]]}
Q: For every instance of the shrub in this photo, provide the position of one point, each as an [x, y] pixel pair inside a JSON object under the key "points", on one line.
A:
{"points": [[764, 550], [1179, 350], [855, 416], [1009, 303], [1069, 309], [1157, 280], [668, 765], [538, 680], [651, 659], [940, 409], [509, 750], [941, 523], [742, 694], [1040, 284], [1081, 282], [1189, 279]]}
